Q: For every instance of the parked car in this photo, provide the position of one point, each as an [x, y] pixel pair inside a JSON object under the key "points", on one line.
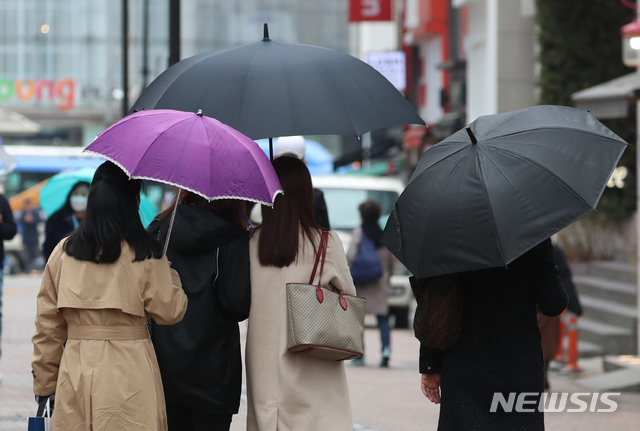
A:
{"points": [[343, 194]]}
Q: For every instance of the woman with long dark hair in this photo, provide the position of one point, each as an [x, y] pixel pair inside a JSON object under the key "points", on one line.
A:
{"points": [[199, 357], [286, 390], [67, 218], [98, 290]]}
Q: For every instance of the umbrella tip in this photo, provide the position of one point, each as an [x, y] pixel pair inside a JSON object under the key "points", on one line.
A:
{"points": [[266, 33], [199, 113], [472, 136]]}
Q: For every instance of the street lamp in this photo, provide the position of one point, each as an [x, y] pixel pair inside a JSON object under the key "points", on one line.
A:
{"points": [[631, 44]]}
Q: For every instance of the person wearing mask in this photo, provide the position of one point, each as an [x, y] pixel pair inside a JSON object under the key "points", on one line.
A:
{"points": [[8, 230], [376, 292], [287, 390], [66, 219], [199, 357], [91, 346]]}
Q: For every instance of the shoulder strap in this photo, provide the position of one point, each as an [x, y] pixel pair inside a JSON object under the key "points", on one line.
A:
{"points": [[322, 252]]}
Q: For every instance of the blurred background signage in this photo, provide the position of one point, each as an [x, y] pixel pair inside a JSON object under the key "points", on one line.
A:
{"points": [[392, 65], [370, 10]]}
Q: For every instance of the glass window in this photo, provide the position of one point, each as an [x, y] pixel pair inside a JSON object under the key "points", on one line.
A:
{"points": [[342, 205]]}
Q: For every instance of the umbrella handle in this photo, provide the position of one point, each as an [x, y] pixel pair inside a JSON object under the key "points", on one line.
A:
{"points": [[173, 217]]}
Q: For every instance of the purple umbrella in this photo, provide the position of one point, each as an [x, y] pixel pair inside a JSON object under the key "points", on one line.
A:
{"points": [[192, 152]]}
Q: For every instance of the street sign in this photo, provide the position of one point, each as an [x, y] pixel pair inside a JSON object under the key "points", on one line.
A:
{"points": [[370, 10]]}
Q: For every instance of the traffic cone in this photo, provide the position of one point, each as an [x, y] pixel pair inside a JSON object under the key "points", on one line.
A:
{"points": [[560, 353], [572, 329]]}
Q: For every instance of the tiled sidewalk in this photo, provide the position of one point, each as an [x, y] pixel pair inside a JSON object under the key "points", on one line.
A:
{"points": [[382, 399]]}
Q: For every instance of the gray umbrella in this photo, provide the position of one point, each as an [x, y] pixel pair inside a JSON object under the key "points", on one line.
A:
{"points": [[270, 89], [490, 192]]}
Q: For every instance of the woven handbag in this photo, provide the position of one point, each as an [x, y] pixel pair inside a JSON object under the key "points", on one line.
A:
{"points": [[437, 322], [324, 323]]}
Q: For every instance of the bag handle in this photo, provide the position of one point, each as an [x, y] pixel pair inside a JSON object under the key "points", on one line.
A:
{"points": [[322, 252]]}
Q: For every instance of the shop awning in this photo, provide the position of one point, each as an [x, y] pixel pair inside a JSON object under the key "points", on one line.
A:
{"points": [[12, 123], [610, 99]]}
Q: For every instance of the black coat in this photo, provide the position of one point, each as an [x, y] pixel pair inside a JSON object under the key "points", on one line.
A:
{"points": [[58, 226], [8, 226], [499, 349], [199, 357]]}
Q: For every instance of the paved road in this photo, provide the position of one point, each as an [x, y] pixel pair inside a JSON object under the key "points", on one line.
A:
{"points": [[382, 399]]}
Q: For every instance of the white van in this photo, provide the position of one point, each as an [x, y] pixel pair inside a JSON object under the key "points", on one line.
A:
{"points": [[343, 194]]}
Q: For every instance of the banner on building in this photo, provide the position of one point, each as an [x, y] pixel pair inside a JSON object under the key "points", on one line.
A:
{"points": [[391, 65], [370, 10]]}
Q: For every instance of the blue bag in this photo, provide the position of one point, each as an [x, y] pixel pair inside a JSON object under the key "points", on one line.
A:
{"points": [[366, 267]]}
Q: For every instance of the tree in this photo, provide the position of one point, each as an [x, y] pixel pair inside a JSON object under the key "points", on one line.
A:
{"points": [[580, 46]]}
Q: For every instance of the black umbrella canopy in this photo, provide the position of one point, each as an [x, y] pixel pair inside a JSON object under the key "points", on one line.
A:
{"points": [[269, 89], [492, 191]]}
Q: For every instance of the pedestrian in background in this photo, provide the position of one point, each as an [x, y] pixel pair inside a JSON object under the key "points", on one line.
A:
{"points": [[499, 350], [287, 390], [8, 230], [376, 292], [91, 347], [67, 218], [199, 357], [29, 221]]}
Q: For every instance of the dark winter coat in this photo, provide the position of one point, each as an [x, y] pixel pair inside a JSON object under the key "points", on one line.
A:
{"points": [[58, 226], [499, 349], [8, 226], [199, 357]]}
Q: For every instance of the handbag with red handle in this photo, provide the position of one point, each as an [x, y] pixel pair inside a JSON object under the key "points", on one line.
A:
{"points": [[324, 323]]}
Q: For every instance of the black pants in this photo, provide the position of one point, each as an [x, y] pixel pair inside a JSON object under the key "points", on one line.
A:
{"points": [[186, 418]]}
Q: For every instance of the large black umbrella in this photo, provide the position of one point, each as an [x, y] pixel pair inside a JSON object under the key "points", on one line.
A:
{"points": [[270, 89], [491, 191]]}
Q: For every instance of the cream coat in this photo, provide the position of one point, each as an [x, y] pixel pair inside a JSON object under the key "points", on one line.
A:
{"points": [[287, 391], [107, 376]]}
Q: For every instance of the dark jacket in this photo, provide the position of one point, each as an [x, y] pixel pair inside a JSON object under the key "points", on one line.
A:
{"points": [[58, 226], [499, 349], [199, 357], [320, 209], [567, 281], [7, 227], [30, 228]]}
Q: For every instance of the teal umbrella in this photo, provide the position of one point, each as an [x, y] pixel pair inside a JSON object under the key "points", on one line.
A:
{"points": [[54, 194]]}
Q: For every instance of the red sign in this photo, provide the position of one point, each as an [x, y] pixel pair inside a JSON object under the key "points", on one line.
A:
{"points": [[370, 10]]}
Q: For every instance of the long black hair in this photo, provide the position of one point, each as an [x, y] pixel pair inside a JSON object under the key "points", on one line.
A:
{"points": [[66, 210], [112, 217], [291, 212]]}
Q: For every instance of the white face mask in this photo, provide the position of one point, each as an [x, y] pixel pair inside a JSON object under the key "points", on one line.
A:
{"points": [[78, 203]]}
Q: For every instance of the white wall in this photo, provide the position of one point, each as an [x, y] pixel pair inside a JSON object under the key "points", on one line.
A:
{"points": [[431, 51], [500, 56]]}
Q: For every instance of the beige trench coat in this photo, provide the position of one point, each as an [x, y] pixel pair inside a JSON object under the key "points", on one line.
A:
{"points": [[377, 292], [107, 376], [286, 391]]}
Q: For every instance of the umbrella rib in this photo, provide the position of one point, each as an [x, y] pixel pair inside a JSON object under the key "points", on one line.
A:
{"points": [[485, 193], [557, 180], [570, 129]]}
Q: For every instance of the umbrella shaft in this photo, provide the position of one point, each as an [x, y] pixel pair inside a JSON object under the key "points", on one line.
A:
{"points": [[173, 217]]}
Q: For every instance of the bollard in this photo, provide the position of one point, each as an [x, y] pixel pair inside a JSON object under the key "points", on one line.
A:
{"points": [[560, 353], [572, 351]]}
